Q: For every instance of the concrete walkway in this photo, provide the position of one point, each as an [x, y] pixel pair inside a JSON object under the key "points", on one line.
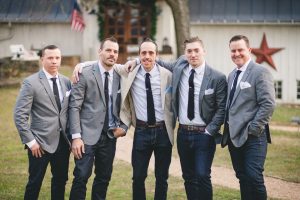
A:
{"points": [[220, 176]]}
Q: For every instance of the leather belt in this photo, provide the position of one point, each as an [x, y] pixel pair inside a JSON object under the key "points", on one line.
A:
{"points": [[192, 128], [142, 124]]}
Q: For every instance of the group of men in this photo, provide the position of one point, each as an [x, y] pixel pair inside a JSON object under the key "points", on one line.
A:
{"points": [[151, 95]]}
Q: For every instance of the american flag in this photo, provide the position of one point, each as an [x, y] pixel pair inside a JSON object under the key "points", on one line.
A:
{"points": [[77, 22]]}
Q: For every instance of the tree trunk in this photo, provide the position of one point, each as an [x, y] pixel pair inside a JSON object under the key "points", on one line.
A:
{"points": [[181, 15]]}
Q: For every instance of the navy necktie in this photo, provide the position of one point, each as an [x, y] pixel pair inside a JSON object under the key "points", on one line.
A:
{"points": [[232, 91], [106, 94], [191, 100], [56, 93], [150, 102]]}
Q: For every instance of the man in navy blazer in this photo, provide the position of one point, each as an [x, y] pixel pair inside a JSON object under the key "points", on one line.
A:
{"points": [[250, 104], [198, 101]]}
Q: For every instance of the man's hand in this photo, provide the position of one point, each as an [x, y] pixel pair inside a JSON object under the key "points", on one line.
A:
{"points": [[130, 65], [77, 70], [119, 132], [77, 148], [36, 150]]}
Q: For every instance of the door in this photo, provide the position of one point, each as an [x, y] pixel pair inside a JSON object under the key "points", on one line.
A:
{"points": [[129, 24]]}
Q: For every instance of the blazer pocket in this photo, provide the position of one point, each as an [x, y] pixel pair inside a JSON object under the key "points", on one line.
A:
{"points": [[39, 125], [86, 115]]}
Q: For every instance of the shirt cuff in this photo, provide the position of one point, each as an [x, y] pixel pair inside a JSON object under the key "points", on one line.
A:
{"points": [[31, 143], [206, 132], [76, 135]]}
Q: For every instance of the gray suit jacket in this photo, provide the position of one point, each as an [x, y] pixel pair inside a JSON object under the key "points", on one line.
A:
{"points": [[87, 107], [252, 105], [211, 104], [37, 102], [128, 115]]}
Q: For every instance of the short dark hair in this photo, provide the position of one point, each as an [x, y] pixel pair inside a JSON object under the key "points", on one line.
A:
{"points": [[51, 47], [148, 40], [240, 37], [112, 39], [191, 40]]}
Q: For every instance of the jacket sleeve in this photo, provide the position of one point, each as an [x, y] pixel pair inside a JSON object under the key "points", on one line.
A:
{"points": [[22, 112]]}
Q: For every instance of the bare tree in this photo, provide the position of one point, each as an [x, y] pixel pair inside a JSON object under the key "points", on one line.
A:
{"points": [[181, 15]]}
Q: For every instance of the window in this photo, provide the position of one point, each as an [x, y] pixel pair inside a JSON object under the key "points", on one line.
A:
{"points": [[298, 89], [278, 89]]}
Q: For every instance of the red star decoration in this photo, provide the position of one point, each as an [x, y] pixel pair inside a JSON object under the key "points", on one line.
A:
{"points": [[264, 53]]}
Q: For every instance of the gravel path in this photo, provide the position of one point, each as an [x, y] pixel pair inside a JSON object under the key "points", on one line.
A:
{"points": [[222, 176]]}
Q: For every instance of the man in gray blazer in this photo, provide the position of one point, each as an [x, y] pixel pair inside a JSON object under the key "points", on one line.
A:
{"points": [[198, 101], [250, 104], [94, 114], [44, 98]]}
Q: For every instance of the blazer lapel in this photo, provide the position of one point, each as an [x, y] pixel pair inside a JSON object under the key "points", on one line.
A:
{"points": [[63, 86], [177, 76], [205, 81], [245, 76], [46, 85], [129, 81], [163, 85], [97, 74], [115, 87], [230, 80]]}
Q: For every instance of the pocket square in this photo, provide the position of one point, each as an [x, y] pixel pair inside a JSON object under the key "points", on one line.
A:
{"points": [[68, 93], [209, 91], [119, 91], [168, 89], [244, 85]]}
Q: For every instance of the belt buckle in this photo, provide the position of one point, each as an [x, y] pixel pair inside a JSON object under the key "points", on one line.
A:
{"points": [[190, 128], [152, 126]]}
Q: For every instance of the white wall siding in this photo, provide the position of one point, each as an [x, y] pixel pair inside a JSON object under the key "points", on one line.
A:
{"points": [[38, 35]]}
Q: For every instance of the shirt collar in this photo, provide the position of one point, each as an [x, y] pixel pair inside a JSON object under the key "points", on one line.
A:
{"points": [[244, 67], [153, 71], [198, 70], [103, 70], [49, 76]]}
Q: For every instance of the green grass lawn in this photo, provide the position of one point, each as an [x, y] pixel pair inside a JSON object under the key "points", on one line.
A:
{"points": [[284, 113]]}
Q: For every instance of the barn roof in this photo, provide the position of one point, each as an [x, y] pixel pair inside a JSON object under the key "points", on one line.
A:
{"points": [[32, 11], [244, 11]]}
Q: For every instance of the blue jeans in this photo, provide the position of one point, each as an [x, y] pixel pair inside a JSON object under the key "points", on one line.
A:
{"points": [[146, 141], [248, 163], [102, 154], [196, 151]]}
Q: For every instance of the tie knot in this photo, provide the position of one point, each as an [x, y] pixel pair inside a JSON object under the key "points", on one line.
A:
{"points": [[53, 79], [147, 75], [106, 74], [238, 72], [192, 71]]}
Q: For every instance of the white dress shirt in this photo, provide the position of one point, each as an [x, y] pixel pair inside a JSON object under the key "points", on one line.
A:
{"points": [[139, 95], [184, 93], [49, 76]]}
